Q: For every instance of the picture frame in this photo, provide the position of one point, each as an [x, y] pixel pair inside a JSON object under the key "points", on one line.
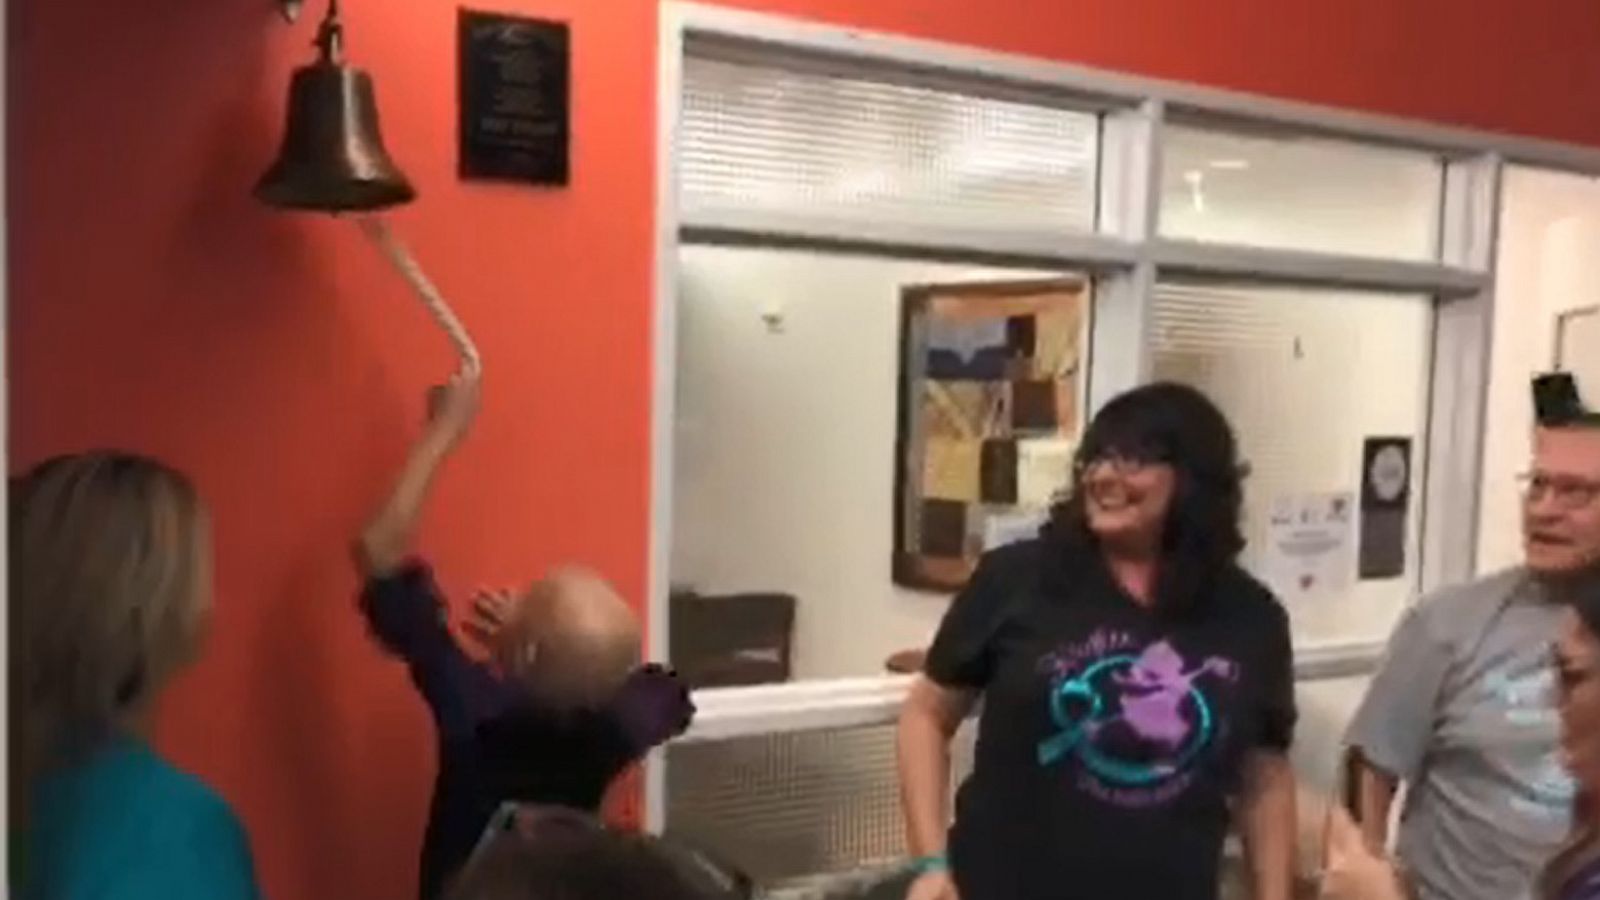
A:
{"points": [[990, 398]]}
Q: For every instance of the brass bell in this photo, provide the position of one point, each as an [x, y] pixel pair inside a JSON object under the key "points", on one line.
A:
{"points": [[332, 158]]}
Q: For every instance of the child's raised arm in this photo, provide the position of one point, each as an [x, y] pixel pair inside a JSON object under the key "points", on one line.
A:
{"points": [[384, 542]]}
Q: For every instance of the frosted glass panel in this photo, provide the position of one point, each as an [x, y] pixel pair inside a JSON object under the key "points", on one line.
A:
{"points": [[1306, 377], [1300, 193], [755, 138]]}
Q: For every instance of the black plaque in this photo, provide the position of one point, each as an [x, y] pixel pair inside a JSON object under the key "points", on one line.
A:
{"points": [[1385, 498], [515, 76]]}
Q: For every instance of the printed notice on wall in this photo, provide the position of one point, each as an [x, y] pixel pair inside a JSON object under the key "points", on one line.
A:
{"points": [[1309, 551]]}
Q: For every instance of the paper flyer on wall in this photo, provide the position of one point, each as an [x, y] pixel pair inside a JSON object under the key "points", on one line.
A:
{"points": [[1310, 545]]}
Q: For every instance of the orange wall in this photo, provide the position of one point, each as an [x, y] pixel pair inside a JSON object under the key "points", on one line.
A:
{"points": [[155, 306], [1529, 68]]}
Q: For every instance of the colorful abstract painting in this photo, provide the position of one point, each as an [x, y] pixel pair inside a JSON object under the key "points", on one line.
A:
{"points": [[990, 386]]}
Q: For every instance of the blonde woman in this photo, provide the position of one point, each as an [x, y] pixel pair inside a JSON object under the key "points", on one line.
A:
{"points": [[110, 571]]}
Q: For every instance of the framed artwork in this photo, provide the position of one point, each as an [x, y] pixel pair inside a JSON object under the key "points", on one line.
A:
{"points": [[990, 395]]}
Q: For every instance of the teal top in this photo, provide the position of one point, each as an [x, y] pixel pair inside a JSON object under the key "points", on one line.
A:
{"points": [[125, 825]]}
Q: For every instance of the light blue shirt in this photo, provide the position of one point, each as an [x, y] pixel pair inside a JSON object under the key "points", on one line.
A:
{"points": [[125, 825], [1464, 712]]}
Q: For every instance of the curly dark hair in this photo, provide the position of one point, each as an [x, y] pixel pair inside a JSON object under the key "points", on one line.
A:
{"points": [[1179, 426]]}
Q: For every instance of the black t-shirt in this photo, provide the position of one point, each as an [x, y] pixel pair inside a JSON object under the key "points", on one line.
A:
{"points": [[1112, 738]]}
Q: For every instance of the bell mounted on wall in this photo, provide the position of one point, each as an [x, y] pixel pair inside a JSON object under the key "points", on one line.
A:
{"points": [[332, 158]]}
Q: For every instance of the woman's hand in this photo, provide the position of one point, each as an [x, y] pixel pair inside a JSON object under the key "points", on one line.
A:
{"points": [[933, 886], [1354, 871]]}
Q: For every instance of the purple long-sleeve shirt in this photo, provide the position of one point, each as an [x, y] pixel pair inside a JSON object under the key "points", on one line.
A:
{"points": [[1585, 884], [495, 745]]}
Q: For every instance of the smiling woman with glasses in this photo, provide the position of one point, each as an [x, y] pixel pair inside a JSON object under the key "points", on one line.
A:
{"points": [[1137, 685]]}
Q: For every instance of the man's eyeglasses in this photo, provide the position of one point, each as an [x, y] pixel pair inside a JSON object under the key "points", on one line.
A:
{"points": [[1566, 492]]}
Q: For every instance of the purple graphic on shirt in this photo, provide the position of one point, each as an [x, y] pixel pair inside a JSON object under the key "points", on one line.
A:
{"points": [[1154, 690], [1134, 718]]}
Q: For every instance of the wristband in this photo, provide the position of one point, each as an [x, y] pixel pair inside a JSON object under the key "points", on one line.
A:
{"points": [[927, 865]]}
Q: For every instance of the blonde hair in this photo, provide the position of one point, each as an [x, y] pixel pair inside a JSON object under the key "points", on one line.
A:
{"points": [[108, 570]]}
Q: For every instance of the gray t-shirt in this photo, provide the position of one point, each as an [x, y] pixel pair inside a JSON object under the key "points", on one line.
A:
{"points": [[1463, 711]]}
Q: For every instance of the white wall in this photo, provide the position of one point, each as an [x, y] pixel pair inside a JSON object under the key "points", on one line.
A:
{"points": [[784, 448], [1549, 262]]}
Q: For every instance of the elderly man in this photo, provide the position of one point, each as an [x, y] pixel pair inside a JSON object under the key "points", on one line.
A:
{"points": [[1462, 712]]}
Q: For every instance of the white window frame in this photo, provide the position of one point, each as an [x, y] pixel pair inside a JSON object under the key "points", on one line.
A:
{"points": [[1125, 254]]}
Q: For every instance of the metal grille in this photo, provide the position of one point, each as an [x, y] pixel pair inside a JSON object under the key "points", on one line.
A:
{"points": [[759, 139], [795, 806]]}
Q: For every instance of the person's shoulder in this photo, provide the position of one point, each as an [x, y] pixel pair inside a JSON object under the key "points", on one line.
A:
{"points": [[127, 816], [1491, 589], [1005, 570], [189, 793], [1465, 603], [1018, 557], [173, 800], [126, 772], [196, 841], [1250, 596]]}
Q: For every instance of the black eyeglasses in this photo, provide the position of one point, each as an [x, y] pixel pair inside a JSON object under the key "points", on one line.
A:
{"points": [[1122, 462], [1568, 493]]}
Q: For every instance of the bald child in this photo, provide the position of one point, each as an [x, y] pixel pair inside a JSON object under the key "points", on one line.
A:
{"points": [[562, 705]]}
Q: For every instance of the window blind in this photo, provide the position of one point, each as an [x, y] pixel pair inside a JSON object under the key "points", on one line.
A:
{"points": [[837, 147]]}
